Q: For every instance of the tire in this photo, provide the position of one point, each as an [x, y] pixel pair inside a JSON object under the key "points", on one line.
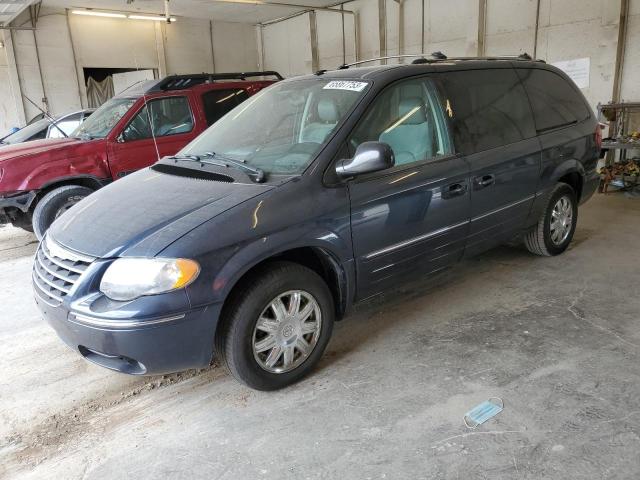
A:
{"points": [[541, 239], [54, 204], [240, 336]]}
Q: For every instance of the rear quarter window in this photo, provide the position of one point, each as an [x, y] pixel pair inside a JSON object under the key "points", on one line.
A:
{"points": [[554, 100], [218, 102], [489, 108]]}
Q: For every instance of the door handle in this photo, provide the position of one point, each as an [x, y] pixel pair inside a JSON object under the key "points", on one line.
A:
{"points": [[454, 190], [484, 181]]}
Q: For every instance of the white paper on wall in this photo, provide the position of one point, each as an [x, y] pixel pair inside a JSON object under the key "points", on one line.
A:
{"points": [[578, 70]]}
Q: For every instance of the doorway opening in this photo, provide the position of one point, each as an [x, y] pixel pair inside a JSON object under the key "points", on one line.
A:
{"points": [[104, 83]]}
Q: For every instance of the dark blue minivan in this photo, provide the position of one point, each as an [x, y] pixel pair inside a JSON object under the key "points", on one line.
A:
{"points": [[318, 192]]}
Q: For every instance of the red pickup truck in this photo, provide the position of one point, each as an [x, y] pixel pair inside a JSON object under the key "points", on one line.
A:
{"points": [[41, 179]]}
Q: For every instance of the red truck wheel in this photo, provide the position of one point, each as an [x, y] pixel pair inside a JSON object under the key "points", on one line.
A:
{"points": [[54, 204]]}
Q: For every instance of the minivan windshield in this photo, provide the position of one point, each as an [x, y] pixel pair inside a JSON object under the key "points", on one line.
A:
{"points": [[33, 131], [100, 123], [281, 129]]}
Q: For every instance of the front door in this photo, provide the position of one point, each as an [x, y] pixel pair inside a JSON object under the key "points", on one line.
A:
{"points": [[495, 129], [160, 128], [412, 218]]}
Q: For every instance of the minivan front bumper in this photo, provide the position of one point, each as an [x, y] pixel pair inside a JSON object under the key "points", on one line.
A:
{"points": [[144, 346]]}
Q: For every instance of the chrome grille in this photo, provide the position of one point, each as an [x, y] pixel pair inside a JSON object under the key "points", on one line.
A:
{"points": [[56, 270]]}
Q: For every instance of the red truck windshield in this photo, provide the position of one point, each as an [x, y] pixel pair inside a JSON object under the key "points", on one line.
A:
{"points": [[104, 118]]}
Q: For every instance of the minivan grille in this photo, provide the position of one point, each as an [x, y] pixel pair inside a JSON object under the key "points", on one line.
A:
{"points": [[56, 270]]}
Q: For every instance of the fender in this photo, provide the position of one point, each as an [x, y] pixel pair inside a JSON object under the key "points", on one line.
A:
{"points": [[64, 169], [335, 250], [568, 166], [549, 178]]}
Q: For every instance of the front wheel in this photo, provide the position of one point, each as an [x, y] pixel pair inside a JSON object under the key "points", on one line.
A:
{"points": [[277, 327], [557, 224], [54, 204]]}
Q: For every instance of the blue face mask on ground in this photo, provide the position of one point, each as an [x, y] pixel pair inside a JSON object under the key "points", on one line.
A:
{"points": [[483, 412]]}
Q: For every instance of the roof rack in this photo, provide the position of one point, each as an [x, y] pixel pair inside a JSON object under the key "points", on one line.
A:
{"points": [[178, 82], [436, 57]]}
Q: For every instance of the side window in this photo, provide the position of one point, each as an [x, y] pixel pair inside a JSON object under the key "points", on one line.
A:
{"points": [[409, 118], [67, 125], [218, 102], [489, 107], [554, 101], [169, 116], [40, 135]]}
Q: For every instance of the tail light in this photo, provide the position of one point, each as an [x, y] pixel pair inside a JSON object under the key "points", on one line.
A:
{"points": [[598, 135]]}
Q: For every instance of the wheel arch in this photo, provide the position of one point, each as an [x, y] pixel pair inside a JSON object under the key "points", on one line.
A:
{"points": [[572, 173], [89, 181], [320, 259], [317, 258]]}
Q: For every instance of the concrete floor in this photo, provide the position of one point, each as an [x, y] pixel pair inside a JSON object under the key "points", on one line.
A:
{"points": [[558, 339]]}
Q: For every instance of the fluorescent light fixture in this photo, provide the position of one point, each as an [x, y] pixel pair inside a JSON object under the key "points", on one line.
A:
{"points": [[151, 17], [99, 14]]}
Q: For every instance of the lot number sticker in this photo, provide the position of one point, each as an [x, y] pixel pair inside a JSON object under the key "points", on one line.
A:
{"points": [[345, 85]]}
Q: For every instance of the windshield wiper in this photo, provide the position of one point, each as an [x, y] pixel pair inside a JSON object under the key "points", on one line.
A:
{"points": [[223, 162], [258, 172], [195, 158]]}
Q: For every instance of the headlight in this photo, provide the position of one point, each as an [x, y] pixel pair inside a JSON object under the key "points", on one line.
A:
{"points": [[130, 278]]}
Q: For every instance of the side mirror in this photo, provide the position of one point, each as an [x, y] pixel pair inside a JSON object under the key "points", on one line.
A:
{"points": [[120, 138], [369, 157]]}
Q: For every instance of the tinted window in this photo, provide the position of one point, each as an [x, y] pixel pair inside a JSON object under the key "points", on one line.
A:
{"points": [[554, 101], [489, 108], [218, 102], [408, 117], [169, 116]]}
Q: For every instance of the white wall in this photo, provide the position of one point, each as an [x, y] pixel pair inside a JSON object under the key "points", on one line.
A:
{"points": [[631, 72], [8, 113], [568, 29], [235, 47], [182, 47], [287, 46]]}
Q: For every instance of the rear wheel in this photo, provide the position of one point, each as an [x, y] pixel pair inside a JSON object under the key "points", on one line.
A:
{"points": [[557, 224], [54, 204], [277, 326]]}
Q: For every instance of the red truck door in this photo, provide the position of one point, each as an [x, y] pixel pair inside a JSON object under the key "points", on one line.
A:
{"points": [[171, 120]]}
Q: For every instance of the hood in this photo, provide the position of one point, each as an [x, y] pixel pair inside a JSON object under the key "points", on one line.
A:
{"points": [[146, 211], [35, 147]]}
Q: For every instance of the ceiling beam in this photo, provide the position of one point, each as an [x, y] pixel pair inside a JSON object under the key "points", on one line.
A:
{"points": [[7, 16]]}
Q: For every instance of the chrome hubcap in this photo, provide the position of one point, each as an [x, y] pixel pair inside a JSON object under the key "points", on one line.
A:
{"points": [[287, 331], [70, 203], [561, 220]]}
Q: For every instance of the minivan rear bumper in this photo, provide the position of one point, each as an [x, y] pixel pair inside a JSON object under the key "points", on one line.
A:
{"points": [[138, 346], [591, 183]]}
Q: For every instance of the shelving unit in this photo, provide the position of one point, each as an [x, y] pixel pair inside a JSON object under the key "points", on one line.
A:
{"points": [[623, 119]]}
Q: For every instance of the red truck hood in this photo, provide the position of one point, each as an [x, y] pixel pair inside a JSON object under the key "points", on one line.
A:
{"points": [[35, 147]]}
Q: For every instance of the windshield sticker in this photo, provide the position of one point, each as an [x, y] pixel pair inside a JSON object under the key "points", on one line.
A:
{"points": [[345, 85]]}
